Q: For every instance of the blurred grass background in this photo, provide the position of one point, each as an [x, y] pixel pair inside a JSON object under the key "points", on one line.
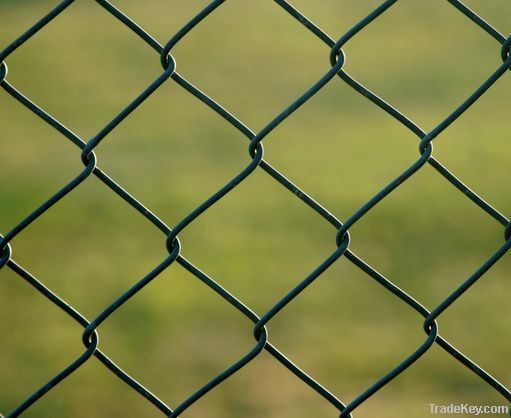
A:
{"points": [[345, 330]]}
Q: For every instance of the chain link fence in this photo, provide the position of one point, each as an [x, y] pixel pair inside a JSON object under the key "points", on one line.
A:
{"points": [[255, 161]]}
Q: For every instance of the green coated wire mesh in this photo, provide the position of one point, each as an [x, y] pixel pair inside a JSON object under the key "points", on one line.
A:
{"points": [[170, 74]]}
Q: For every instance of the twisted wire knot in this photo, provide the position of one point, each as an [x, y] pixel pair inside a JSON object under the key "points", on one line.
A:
{"points": [[3, 71], [504, 51], [5, 253]]}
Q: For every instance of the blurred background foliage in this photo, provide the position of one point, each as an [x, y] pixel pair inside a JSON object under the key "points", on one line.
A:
{"points": [[345, 330]]}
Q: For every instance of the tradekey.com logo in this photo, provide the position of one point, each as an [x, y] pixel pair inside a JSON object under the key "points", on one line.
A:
{"points": [[482, 410]]}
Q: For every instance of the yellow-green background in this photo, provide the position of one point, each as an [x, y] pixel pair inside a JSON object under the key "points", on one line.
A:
{"points": [[174, 336]]}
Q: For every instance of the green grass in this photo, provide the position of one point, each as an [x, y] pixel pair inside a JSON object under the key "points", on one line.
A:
{"points": [[259, 241]]}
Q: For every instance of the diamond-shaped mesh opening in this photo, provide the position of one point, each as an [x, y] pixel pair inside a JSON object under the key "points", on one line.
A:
{"points": [[235, 66], [171, 352], [369, 326], [476, 138], [36, 324], [452, 65], [115, 250], [169, 150], [341, 148], [82, 87], [29, 172], [436, 263], [263, 268]]}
